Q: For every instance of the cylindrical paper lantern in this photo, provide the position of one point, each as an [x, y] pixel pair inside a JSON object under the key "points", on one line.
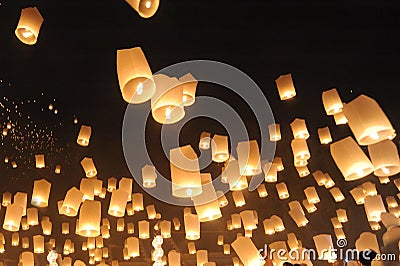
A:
{"points": [[39, 160], [38, 244], [29, 25], [118, 202], [144, 229], [222, 200], [358, 195], [311, 195], [337, 194], [339, 233], [332, 102], [374, 207], [111, 184], [14, 239], [268, 227], [310, 207], [192, 227], [296, 205], [72, 201], [46, 227], [201, 257], [369, 189], [300, 150], [32, 216], [385, 158], [89, 167], [249, 158], [319, 177], [324, 135], [149, 176], [137, 202], [132, 243], [6, 199], [174, 258], [84, 135], [219, 148], [340, 119], [274, 132], [303, 171], [65, 228], [27, 258], [247, 252], [238, 198], [151, 212], [205, 139], [145, 8], [282, 190], [41, 192], [191, 248], [299, 129], [248, 220], [236, 180], [292, 241], [342, 215], [25, 242], [329, 183], [262, 191], [21, 199], [336, 223], [206, 204], [89, 218], [12, 217], [298, 217], [285, 86], [120, 224], [278, 223], [324, 245], [271, 172], [189, 84]]}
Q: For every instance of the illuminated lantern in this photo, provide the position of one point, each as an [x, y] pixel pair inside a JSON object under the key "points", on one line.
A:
{"points": [[277, 223], [65, 228], [220, 240], [21, 199], [298, 217], [247, 252], [369, 189], [46, 227], [41, 192], [111, 184], [339, 233], [189, 84], [144, 229], [262, 191], [277, 259], [14, 239], [103, 193], [204, 142], [165, 228], [201, 257], [248, 220], [319, 177], [282, 190], [32, 216], [324, 135], [149, 176], [192, 227], [350, 159], [324, 245], [270, 171], [105, 252], [300, 150], [236, 221], [303, 171], [174, 258], [340, 119], [191, 248], [249, 158], [27, 258], [120, 224], [89, 167], [391, 202], [358, 195], [332, 102], [274, 132], [222, 200], [132, 243], [374, 207], [129, 209], [206, 204], [24, 224], [137, 201], [337, 194], [185, 172], [84, 135], [177, 223], [329, 183], [268, 227], [285, 86], [57, 170], [91, 243], [311, 195], [151, 212], [29, 25], [279, 164], [384, 180], [375, 225], [310, 207], [72, 201], [236, 180], [336, 223], [299, 129], [385, 158], [238, 198], [342, 215], [13, 217], [38, 244], [14, 164], [89, 218], [130, 228], [25, 242], [295, 205], [145, 8], [367, 121], [367, 240], [126, 185], [39, 158], [6, 199], [219, 148], [292, 241]]}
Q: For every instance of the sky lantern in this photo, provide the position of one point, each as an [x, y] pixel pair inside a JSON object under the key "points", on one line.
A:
{"points": [[39, 160], [332, 102], [358, 195], [151, 211], [310, 207], [111, 184], [118, 201], [191, 248], [247, 252], [248, 220], [222, 200], [126, 184], [278, 223], [385, 158], [174, 258], [189, 84], [32, 216], [89, 218], [145, 8], [89, 167], [238, 198], [137, 202], [300, 150], [205, 139], [47, 227], [14, 239], [374, 206], [249, 158], [72, 201], [324, 245], [38, 244], [268, 227], [201, 257], [262, 191], [84, 135], [276, 258], [41, 192], [236, 180], [337, 194], [324, 135], [29, 25], [282, 190], [21, 199], [285, 86], [342, 215], [311, 195], [367, 121], [299, 129], [192, 226], [27, 258], [270, 172], [302, 171], [6, 199], [65, 228], [144, 229], [219, 148], [298, 217], [149, 176], [132, 243], [274, 131], [134, 76]]}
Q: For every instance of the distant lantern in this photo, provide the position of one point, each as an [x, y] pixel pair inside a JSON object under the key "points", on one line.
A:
{"points": [[206, 204], [201, 257], [391, 202], [268, 227], [189, 84], [247, 252], [339, 233], [185, 172], [118, 201], [14, 164], [238, 198], [249, 158], [134, 75], [367, 121], [311, 195], [151, 212], [204, 142], [303, 171], [84, 135], [145, 8], [337, 194], [144, 229], [89, 218], [310, 207], [329, 183], [219, 148], [342, 215], [132, 243], [14, 239], [191, 248], [227, 249], [130, 228], [24, 224], [21, 199], [299, 129], [374, 206], [72, 201], [41, 192], [270, 172], [236, 180], [165, 228], [324, 135], [279, 164], [149, 176], [220, 240], [6, 199], [298, 217], [340, 119], [369, 189], [29, 25], [192, 227], [39, 159], [166, 104], [177, 223], [13, 217], [57, 170], [300, 150], [248, 220], [332, 102], [25, 242], [262, 191], [324, 245], [6, 159], [274, 132], [89, 167], [385, 158], [111, 184], [292, 241], [174, 258], [282, 190], [38, 244], [278, 223], [32, 216], [137, 202], [222, 200], [236, 220], [46, 227], [350, 159], [65, 228], [336, 223], [285, 87], [358, 195], [27, 258]]}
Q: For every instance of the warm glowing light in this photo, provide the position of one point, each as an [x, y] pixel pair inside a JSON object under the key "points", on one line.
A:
{"points": [[385, 170], [374, 135], [148, 4], [27, 34]]}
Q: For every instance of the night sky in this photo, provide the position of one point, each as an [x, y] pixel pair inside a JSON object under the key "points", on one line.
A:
{"points": [[348, 45]]}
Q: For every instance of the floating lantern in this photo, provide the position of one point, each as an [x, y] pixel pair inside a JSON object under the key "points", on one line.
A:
{"points": [[271, 172], [282, 190], [14, 239], [274, 132], [189, 84], [367, 121], [311, 195], [300, 150], [337, 194], [32, 216], [191, 248], [177, 223], [89, 218], [65, 228], [220, 240], [206, 204], [14, 164], [120, 224], [340, 119], [111, 184], [219, 148], [358, 195], [342, 215], [130, 228], [134, 75], [149, 176], [46, 227], [222, 200], [285, 86], [262, 191], [145, 8], [41, 192], [292, 241], [350, 159], [249, 158], [385, 158], [192, 227], [39, 159], [295, 205], [13, 217], [227, 249], [375, 226], [277, 259], [174, 258], [24, 224], [391, 202], [303, 171], [236, 180], [84, 135], [310, 207], [298, 217], [324, 135], [144, 229], [25, 242], [248, 220], [329, 183], [339, 233], [236, 221], [374, 207], [268, 227], [89, 167], [6, 199], [201, 257], [324, 245], [72, 201], [118, 202], [299, 129], [132, 243], [332, 102], [238, 198], [367, 240], [57, 170], [166, 103], [277, 223], [205, 139], [165, 228], [126, 185], [151, 212], [369, 189], [27, 258], [336, 223], [29, 25], [279, 164], [384, 180], [247, 252], [38, 244]]}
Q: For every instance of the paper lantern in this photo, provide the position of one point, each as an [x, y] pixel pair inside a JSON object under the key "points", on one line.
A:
{"points": [[89, 218], [144, 229], [185, 172], [358, 195], [111, 184], [332, 102], [367, 240], [249, 158], [271, 172], [24, 224], [274, 132], [38, 244], [336, 223], [310, 207], [384, 180], [14, 164], [319, 177], [277, 258], [205, 139], [337, 194], [132, 244], [298, 217], [13, 217], [296, 205], [39, 159], [120, 224], [374, 206], [192, 227], [149, 176], [391, 202], [174, 258], [145, 8], [32, 216], [201, 257], [6, 199], [324, 245], [65, 228], [21, 199], [189, 84], [220, 240], [375, 225], [72, 201], [29, 25], [41, 192], [311, 195], [339, 233], [206, 204], [340, 119], [191, 248], [84, 135], [299, 129], [282, 190], [165, 228], [385, 158], [329, 183], [300, 150], [262, 191], [236, 221], [292, 241], [268, 227], [350, 159], [285, 86], [324, 135], [219, 148], [277, 223], [137, 201], [27, 258], [247, 252], [126, 185], [57, 170], [46, 227], [342, 215], [25, 242], [279, 164], [222, 200], [238, 198], [14, 239], [236, 180], [369, 189], [248, 220], [151, 212], [89, 167], [303, 171]]}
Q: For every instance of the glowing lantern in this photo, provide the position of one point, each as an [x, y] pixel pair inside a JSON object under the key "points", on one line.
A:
{"points": [[336, 223], [298, 217], [303, 171], [149, 176], [192, 227], [72, 201], [282, 190], [191, 248], [145, 8], [249, 158], [201, 257], [340, 119], [311, 195], [292, 241], [285, 86], [262, 191], [385, 158], [13, 217], [271, 172], [219, 148], [238, 198], [24, 224], [236, 221], [337, 194], [342, 215], [375, 225], [300, 150], [332, 102], [32, 216], [41, 192], [339, 233], [57, 170], [21, 199], [177, 223], [111, 184], [367, 240], [29, 25], [189, 84], [358, 195], [268, 227], [165, 228], [329, 183], [38, 244], [278, 259], [248, 220], [247, 252], [204, 142], [151, 212], [236, 181], [369, 189], [89, 167], [277, 223], [14, 164], [132, 243], [89, 218], [6, 199], [144, 229], [295, 205], [274, 132], [384, 180], [220, 240], [350, 159], [299, 129], [84, 135], [120, 224], [324, 135], [374, 207], [319, 177], [324, 245], [227, 249], [25, 242], [174, 258], [27, 258], [46, 227], [391, 202], [126, 185], [39, 158], [279, 164], [206, 204], [14, 239], [65, 228], [222, 200]]}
